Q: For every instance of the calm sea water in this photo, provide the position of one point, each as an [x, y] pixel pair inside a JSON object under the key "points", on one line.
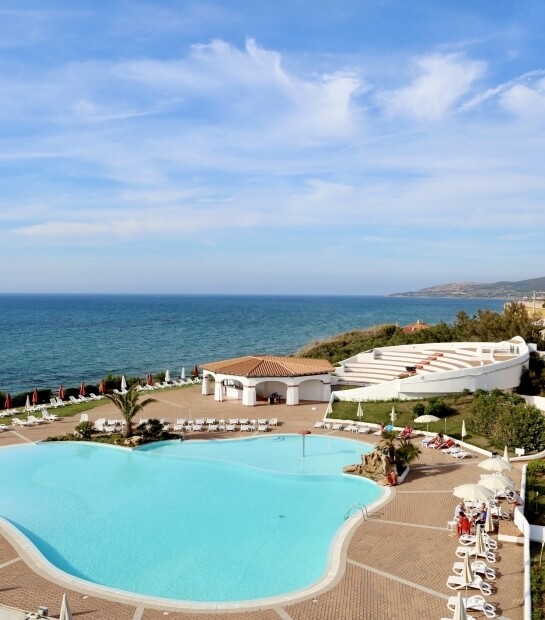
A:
{"points": [[50, 339]]}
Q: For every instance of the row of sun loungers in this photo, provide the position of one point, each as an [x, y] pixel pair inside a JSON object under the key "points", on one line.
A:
{"points": [[233, 424], [339, 426], [163, 384], [31, 420]]}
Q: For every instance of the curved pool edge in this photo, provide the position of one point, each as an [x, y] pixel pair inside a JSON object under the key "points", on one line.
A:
{"points": [[33, 558]]}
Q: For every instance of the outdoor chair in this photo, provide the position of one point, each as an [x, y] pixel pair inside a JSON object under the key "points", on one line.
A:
{"points": [[475, 603], [456, 582]]}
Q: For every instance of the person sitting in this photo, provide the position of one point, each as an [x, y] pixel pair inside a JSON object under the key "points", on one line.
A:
{"points": [[480, 516], [406, 433], [461, 507], [464, 524], [436, 441]]}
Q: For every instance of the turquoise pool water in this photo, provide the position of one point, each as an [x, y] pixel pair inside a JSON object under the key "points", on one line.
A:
{"points": [[191, 521]]}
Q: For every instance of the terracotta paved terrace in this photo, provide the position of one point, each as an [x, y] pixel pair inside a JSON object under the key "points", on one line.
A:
{"points": [[397, 561]]}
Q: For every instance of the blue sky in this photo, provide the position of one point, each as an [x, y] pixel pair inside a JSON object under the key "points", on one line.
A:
{"points": [[361, 147]]}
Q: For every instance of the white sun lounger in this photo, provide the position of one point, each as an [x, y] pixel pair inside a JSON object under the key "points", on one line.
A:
{"points": [[477, 567], [319, 424], [456, 582], [262, 428], [19, 422], [486, 554], [475, 603], [50, 417], [34, 420], [470, 539], [230, 427]]}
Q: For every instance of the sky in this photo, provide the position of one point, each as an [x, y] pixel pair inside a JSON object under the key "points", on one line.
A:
{"points": [[248, 146]]}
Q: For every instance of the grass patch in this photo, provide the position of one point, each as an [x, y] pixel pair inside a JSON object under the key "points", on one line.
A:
{"points": [[450, 424], [537, 582]]}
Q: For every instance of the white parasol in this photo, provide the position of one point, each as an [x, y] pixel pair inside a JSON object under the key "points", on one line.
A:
{"points": [[473, 492], [426, 419]]}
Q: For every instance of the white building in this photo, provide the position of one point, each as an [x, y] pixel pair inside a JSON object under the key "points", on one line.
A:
{"points": [[259, 377], [424, 370]]}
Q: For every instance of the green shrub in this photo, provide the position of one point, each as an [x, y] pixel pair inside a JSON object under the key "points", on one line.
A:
{"points": [[419, 409]]}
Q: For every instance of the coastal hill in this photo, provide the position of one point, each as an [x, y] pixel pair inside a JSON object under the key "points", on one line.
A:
{"points": [[501, 290]]}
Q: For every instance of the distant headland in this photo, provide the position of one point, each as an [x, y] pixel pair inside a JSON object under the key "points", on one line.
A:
{"points": [[497, 290]]}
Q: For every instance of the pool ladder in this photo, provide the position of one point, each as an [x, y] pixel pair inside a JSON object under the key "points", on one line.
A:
{"points": [[355, 506]]}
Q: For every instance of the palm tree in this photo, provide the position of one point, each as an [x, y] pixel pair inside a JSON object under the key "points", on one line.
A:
{"points": [[128, 406], [404, 453]]}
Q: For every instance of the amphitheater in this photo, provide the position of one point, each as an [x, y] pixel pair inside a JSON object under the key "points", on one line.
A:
{"points": [[424, 370]]}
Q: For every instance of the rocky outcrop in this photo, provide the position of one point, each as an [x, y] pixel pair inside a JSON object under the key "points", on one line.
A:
{"points": [[375, 466]]}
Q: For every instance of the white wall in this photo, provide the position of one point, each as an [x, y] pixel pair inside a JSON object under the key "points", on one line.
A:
{"points": [[311, 390]]}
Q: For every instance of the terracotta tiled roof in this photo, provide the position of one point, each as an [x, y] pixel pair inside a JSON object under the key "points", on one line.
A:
{"points": [[269, 366], [415, 327]]}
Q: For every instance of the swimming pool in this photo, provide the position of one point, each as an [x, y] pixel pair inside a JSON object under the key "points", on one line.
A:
{"points": [[202, 521]]}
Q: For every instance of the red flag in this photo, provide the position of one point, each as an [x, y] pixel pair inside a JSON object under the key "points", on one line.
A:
{"points": [[35, 396]]}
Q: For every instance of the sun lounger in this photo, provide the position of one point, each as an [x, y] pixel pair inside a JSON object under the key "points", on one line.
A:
{"points": [[197, 427], [93, 396], [486, 554], [4, 427], [199, 421], [211, 420], [99, 425], [19, 422], [273, 422], [244, 421], [230, 427], [475, 603], [319, 424], [477, 567], [180, 424], [456, 582], [53, 402], [462, 454], [337, 427], [364, 430], [469, 539], [351, 428], [213, 428], [49, 417], [262, 428], [34, 420]]}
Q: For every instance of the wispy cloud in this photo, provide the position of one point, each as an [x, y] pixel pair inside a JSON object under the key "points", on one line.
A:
{"points": [[440, 81]]}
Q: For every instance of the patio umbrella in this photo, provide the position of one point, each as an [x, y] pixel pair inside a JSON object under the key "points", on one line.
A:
{"points": [[460, 608], [488, 524], [183, 373], [149, 378], [464, 432], [329, 409], [467, 573], [167, 376], [359, 412], [506, 454], [61, 392], [35, 396], [7, 403], [303, 433], [101, 387], [123, 383], [426, 419], [473, 492], [82, 389], [499, 483], [496, 464], [27, 404], [66, 614], [196, 371], [479, 542], [393, 415]]}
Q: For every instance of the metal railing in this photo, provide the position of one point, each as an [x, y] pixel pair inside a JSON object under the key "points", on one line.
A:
{"points": [[355, 506]]}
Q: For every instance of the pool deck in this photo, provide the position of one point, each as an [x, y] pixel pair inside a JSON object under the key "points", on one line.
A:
{"points": [[397, 561]]}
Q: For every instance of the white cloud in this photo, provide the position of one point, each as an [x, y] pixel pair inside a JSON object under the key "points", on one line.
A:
{"points": [[440, 83], [525, 100]]}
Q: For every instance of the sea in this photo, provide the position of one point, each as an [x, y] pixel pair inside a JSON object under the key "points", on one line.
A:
{"points": [[46, 340]]}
